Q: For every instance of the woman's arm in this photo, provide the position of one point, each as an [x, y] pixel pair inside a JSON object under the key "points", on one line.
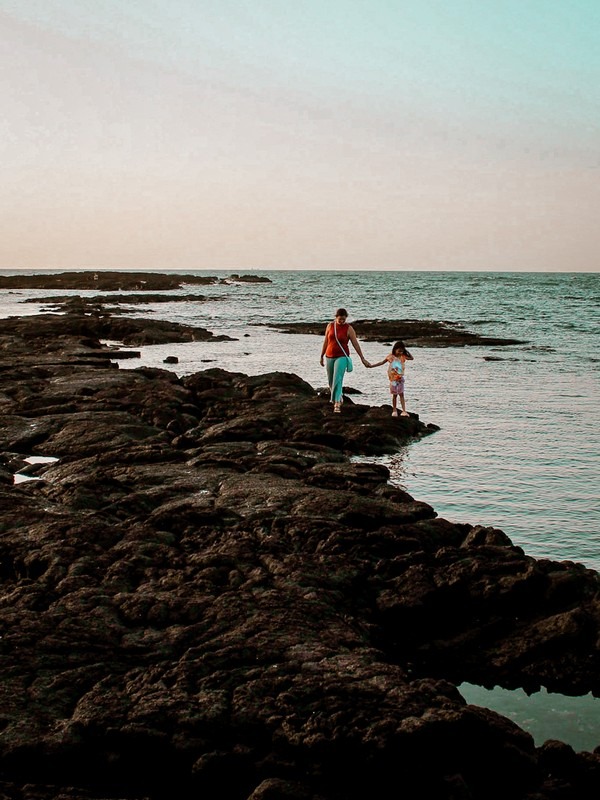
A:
{"points": [[324, 348], [356, 345]]}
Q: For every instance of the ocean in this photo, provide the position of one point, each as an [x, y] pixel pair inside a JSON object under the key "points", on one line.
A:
{"points": [[519, 440]]}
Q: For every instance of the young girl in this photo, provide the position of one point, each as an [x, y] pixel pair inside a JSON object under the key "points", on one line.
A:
{"points": [[396, 362]]}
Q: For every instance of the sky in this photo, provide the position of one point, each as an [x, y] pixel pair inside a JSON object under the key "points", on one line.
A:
{"points": [[300, 134]]}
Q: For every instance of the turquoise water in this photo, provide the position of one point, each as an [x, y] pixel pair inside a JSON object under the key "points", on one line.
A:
{"points": [[575, 720], [519, 442]]}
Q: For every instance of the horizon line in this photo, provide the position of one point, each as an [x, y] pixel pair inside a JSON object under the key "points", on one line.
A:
{"points": [[245, 270]]}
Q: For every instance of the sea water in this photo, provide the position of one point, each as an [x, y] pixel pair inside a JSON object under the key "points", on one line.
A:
{"points": [[519, 440]]}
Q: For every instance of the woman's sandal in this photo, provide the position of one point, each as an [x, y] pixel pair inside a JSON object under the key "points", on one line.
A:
{"points": [[337, 409]]}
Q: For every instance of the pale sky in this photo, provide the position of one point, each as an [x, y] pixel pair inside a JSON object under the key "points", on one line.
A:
{"points": [[318, 134]]}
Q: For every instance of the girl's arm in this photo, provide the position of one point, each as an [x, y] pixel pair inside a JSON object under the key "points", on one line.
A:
{"points": [[387, 360], [354, 340], [379, 363], [324, 348]]}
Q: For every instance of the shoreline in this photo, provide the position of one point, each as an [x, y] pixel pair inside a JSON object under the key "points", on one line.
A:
{"points": [[204, 558]]}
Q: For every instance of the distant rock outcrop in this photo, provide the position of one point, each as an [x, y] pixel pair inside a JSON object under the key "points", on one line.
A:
{"points": [[112, 280], [414, 332], [246, 279]]}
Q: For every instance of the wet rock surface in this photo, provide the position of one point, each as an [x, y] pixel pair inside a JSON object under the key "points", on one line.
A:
{"points": [[414, 332], [206, 596]]}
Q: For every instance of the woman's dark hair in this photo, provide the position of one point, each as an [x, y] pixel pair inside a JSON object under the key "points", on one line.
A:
{"points": [[399, 345], [341, 312]]}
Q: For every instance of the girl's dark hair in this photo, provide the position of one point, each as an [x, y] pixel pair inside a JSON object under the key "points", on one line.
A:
{"points": [[399, 345], [341, 312]]}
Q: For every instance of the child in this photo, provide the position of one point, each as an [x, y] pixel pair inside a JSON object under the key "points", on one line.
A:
{"points": [[396, 362]]}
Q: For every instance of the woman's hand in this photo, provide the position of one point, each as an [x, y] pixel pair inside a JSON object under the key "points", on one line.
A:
{"points": [[322, 362], [366, 363]]}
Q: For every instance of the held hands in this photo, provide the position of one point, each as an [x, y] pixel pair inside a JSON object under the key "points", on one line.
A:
{"points": [[365, 362]]}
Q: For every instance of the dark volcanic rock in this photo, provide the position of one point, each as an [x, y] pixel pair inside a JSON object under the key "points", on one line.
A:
{"points": [[205, 597], [422, 333]]}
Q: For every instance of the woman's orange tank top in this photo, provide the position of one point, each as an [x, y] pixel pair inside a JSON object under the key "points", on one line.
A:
{"points": [[333, 349]]}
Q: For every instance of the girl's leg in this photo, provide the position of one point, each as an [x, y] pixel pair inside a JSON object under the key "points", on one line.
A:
{"points": [[394, 405], [402, 403]]}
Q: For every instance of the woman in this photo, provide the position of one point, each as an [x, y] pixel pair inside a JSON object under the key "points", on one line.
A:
{"points": [[336, 351]]}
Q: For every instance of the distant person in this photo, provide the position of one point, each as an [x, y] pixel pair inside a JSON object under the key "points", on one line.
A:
{"points": [[396, 362], [335, 355]]}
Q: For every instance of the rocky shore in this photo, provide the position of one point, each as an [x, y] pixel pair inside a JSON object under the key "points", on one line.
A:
{"points": [[206, 595]]}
